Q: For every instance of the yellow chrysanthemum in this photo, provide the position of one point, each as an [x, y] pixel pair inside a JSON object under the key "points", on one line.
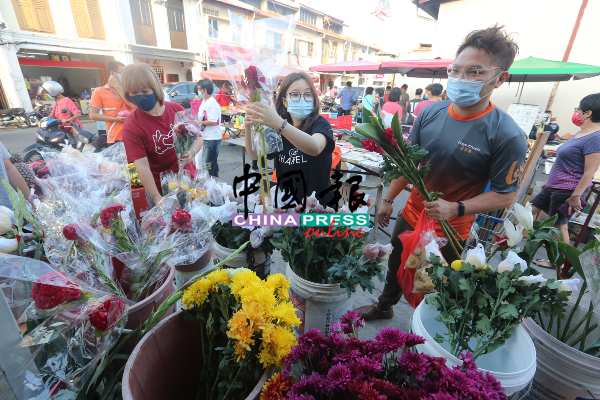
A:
{"points": [[275, 351], [256, 292], [456, 265], [267, 333], [285, 313], [242, 280], [243, 342], [238, 321], [255, 314], [197, 293], [280, 286], [219, 277]]}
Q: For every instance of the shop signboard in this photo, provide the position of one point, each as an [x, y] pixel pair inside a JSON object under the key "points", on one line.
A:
{"points": [[59, 57]]}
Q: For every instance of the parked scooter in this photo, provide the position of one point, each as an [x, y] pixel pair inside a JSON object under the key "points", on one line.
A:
{"points": [[40, 111], [14, 117], [51, 135]]}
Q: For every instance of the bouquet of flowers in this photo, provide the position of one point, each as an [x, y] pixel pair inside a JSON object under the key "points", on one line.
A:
{"points": [[256, 74], [70, 327], [400, 159], [342, 366], [247, 327], [185, 132]]}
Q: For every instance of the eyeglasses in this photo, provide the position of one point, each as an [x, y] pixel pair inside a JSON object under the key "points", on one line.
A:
{"points": [[296, 96], [469, 72]]}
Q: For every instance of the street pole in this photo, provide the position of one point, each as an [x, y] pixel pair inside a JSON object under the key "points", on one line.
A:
{"points": [[568, 50]]}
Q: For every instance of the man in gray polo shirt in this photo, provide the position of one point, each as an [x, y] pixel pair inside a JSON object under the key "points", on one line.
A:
{"points": [[470, 142]]}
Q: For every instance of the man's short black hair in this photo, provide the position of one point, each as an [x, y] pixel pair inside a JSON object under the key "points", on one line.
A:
{"points": [[388, 88], [436, 89], [226, 83], [419, 91], [405, 86], [349, 84], [591, 102], [496, 42], [207, 85], [113, 66], [395, 94]]}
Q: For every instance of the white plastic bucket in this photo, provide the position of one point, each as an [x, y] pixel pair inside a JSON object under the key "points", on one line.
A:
{"points": [[513, 364], [262, 265], [563, 372], [318, 305]]}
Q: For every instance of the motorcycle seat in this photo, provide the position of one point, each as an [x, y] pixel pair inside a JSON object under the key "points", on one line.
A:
{"points": [[10, 111]]}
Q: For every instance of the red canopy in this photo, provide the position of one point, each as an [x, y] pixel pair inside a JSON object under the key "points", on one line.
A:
{"points": [[221, 74], [435, 68], [367, 67]]}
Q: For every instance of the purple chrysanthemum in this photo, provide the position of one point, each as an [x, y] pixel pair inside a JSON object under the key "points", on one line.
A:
{"points": [[415, 363], [336, 327], [413, 340], [442, 396], [339, 375], [351, 320], [455, 381], [390, 339], [385, 387], [468, 363]]}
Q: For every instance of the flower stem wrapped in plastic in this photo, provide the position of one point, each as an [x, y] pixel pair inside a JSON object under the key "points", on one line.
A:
{"points": [[185, 133], [256, 74]]}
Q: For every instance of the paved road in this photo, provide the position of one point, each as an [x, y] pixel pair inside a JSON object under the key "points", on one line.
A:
{"points": [[16, 139]]}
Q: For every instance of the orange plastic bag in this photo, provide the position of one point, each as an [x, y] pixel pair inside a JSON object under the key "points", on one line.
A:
{"points": [[410, 241]]}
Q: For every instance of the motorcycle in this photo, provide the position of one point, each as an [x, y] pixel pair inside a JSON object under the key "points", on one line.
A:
{"points": [[14, 116], [51, 135], [40, 111], [87, 140], [329, 104]]}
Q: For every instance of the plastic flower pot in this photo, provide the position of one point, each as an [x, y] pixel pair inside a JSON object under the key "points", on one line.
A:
{"points": [[318, 305], [561, 369], [167, 361], [513, 364], [186, 271], [262, 265]]}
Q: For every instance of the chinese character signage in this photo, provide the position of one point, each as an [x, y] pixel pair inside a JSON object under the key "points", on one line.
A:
{"points": [[59, 57]]}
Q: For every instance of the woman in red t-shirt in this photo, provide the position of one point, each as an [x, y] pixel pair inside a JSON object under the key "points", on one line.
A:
{"points": [[147, 132]]}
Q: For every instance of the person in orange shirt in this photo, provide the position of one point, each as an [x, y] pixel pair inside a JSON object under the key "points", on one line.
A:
{"points": [[470, 142], [109, 99]]}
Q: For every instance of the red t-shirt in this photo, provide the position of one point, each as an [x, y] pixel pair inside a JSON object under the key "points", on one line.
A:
{"points": [[148, 136], [222, 98], [420, 106]]}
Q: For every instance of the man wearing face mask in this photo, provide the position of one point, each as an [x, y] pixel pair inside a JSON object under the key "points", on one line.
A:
{"points": [[109, 99], [210, 116], [470, 142]]}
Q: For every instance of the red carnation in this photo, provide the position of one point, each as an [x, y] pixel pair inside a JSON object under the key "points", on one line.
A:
{"points": [[104, 316], [70, 233], [53, 289], [181, 219], [371, 145], [389, 135], [110, 213]]}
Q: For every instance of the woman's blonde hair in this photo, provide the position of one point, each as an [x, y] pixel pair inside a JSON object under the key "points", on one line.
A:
{"points": [[138, 76]]}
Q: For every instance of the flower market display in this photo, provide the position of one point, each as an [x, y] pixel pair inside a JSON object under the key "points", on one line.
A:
{"points": [[247, 326], [344, 366]]}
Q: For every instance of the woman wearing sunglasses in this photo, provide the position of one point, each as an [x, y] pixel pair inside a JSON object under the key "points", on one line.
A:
{"points": [[307, 137]]}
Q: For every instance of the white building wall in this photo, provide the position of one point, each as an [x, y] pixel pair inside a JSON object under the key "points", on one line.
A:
{"points": [[542, 29]]}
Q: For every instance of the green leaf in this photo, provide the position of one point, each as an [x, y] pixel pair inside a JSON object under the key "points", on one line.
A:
{"points": [[355, 141], [481, 302], [438, 338], [483, 324], [368, 130], [445, 318], [507, 311], [572, 255], [467, 287]]}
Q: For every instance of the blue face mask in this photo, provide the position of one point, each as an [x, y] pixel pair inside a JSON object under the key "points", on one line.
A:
{"points": [[465, 92], [144, 102], [426, 97], [300, 109]]}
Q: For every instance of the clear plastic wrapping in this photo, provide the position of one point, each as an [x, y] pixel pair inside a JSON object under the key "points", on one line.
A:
{"points": [[69, 327]]}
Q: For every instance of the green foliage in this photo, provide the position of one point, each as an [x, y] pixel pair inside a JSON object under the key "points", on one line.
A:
{"points": [[232, 237], [327, 259], [481, 308]]}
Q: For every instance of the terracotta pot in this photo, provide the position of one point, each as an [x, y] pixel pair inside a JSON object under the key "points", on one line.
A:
{"points": [[139, 312], [167, 361]]}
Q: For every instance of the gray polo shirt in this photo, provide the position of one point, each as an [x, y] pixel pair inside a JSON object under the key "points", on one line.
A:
{"points": [[404, 98]]}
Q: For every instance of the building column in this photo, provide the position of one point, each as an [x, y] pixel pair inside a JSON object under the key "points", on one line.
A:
{"points": [[11, 77]]}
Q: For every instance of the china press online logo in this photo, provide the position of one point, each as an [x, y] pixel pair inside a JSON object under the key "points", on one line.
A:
{"points": [[312, 221]]}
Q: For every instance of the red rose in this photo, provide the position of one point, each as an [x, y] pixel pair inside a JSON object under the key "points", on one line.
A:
{"points": [[181, 219], [53, 289], [104, 316], [110, 213]]}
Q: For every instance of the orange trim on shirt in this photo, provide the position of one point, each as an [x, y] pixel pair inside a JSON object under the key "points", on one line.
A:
{"points": [[470, 117]]}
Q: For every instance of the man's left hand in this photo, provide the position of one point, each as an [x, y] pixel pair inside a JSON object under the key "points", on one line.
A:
{"points": [[113, 81], [441, 210]]}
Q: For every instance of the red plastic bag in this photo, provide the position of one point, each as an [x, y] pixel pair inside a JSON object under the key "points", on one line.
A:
{"points": [[410, 241]]}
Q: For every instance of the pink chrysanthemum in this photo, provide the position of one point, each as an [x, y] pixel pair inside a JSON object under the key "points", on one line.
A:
{"points": [[415, 363], [390, 339]]}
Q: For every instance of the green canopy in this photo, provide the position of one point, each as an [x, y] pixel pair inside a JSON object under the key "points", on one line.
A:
{"points": [[533, 69]]}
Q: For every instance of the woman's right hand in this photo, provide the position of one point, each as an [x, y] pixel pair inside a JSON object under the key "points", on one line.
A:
{"points": [[385, 211], [157, 199]]}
